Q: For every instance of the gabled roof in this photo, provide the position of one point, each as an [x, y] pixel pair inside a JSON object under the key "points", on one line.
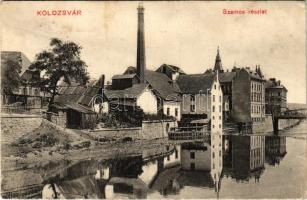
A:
{"points": [[173, 68], [76, 97], [166, 88], [195, 83], [160, 83], [129, 93]]}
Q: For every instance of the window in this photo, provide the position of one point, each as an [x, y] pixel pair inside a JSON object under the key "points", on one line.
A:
{"points": [[220, 108], [168, 158], [213, 117], [176, 112], [213, 155], [192, 106], [167, 111], [213, 108], [220, 99], [214, 86], [192, 166], [213, 98], [176, 154], [192, 155]]}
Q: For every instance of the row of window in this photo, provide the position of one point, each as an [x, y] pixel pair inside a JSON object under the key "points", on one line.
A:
{"points": [[256, 97], [258, 119], [256, 86], [168, 113], [220, 108], [257, 109], [220, 154], [214, 117], [220, 126], [213, 98]]}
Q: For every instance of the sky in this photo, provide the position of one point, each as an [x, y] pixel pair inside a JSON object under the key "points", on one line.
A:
{"points": [[185, 34]]}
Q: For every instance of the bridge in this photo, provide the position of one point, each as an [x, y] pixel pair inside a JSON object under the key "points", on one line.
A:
{"points": [[288, 114]]}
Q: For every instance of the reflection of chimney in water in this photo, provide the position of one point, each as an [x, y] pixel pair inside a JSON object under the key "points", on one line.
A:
{"points": [[141, 60]]}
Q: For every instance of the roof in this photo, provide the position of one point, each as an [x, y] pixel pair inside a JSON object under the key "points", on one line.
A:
{"points": [[69, 94], [252, 73], [163, 86], [194, 83], [123, 76], [132, 92], [226, 76], [17, 57], [166, 88], [173, 68], [79, 187], [76, 97], [269, 84], [73, 106]]}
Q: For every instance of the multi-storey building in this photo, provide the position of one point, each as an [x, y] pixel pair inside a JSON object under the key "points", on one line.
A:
{"points": [[248, 96], [275, 96]]}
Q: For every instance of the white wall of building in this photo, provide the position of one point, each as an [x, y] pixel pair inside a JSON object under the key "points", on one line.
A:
{"points": [[216, 131], [173, 159], [201, 160], [150, 170], [148, 102], [172, 106]]}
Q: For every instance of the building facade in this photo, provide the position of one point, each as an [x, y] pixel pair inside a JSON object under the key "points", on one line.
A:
{"points": [[248, 97], [275, 96]]}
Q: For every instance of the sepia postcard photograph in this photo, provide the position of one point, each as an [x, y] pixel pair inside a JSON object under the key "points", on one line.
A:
{"points": [[153, 100]]}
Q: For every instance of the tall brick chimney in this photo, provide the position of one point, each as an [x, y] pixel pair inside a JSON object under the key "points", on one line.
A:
{"points": [[140, 60]]}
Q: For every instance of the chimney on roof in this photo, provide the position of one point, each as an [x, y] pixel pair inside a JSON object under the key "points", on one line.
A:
{"points": [[140, 60], [101, 81]]}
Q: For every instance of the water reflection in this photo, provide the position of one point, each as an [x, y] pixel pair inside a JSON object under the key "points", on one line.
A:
{"points": [[188, 165]]}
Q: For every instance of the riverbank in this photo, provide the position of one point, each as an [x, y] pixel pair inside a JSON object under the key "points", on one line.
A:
{"points": [[25, 157]]}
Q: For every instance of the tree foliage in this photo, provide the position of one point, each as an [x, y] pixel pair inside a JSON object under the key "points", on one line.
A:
{"points": [[10, 78], [62, 61]]}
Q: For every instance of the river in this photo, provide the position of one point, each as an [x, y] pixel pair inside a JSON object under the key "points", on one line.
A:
{"points": [[224, 166]]}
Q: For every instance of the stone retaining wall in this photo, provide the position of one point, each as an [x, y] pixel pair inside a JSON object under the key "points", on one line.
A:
{"points": [[267, 126], [15, 125], [149, 130]]}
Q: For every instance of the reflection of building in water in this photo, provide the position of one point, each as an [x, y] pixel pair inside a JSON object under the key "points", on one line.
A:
{"points": [[124, 179], [78, 181], [248, 154], [275, 149], [195, 156], [216, 133]]}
